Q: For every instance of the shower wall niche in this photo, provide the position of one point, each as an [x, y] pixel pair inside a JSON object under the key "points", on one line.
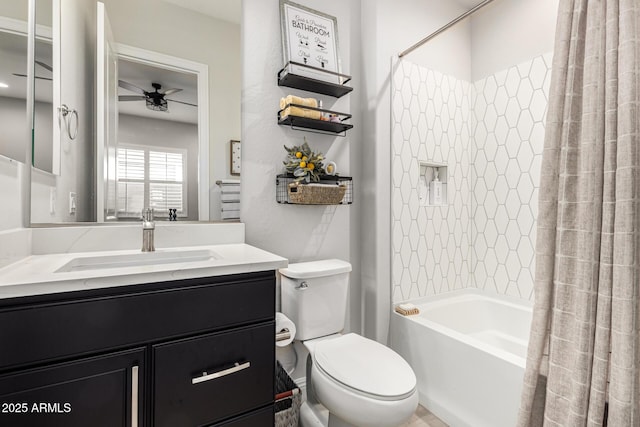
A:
{"points": [[432, 185], [488, 135]]}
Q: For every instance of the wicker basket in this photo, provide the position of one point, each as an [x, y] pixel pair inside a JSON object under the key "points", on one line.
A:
{"points": [[316, 194], [288, 399]]}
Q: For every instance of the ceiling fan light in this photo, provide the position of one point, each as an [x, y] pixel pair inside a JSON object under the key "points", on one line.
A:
{"points": [[157, 104]]}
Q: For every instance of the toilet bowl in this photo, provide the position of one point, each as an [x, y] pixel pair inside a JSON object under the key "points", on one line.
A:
{"points": [[360, 381]]}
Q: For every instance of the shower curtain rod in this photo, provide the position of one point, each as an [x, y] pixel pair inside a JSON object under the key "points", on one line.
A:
{"points": [[444, 28]]}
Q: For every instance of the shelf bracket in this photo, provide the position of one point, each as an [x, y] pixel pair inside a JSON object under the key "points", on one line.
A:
{"points": [[319, 131]]}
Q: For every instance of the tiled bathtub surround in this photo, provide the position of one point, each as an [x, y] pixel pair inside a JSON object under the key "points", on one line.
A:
{"points": [[507, 125], [490, 133], [431, 245]]}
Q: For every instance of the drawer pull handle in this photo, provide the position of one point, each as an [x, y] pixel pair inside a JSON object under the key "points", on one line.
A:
{"points": [[206, 377]]}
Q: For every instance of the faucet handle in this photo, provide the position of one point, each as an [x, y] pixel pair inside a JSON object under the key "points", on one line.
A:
{"points": [[147, 214]]}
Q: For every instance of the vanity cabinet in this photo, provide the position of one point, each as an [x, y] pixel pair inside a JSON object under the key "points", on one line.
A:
{"points": [[191, 352]]}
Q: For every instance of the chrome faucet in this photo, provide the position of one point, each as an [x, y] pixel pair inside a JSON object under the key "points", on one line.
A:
{"points": [[148, 228]]}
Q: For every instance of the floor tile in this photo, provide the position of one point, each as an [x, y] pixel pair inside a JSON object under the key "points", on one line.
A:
{"points": [[423, 418]]}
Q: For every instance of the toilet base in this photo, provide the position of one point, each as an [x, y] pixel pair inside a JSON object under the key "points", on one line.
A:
{"points": [[337, 422], [316, 415], [311, 415]]}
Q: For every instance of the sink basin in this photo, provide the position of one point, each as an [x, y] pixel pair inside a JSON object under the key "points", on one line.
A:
{"points": [[137, 260]]}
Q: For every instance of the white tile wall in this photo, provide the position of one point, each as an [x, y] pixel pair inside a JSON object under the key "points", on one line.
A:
{"points": [[431, 245], [490, 134], [507, 123]]}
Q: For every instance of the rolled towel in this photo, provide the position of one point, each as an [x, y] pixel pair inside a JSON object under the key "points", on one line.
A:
{"points": [[292, 99], [407, 309], [228, 182], [298, 111], [301, 112]]}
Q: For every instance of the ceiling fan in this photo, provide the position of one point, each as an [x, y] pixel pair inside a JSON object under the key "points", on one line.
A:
{"points": [[43, 65], [155, 100]]}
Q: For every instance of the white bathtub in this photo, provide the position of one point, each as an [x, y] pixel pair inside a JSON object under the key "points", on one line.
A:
{"points": [[468, 350]]}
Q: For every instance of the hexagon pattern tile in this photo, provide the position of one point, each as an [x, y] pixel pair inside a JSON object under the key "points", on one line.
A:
{"points": [[490, 133], [431, 245]]}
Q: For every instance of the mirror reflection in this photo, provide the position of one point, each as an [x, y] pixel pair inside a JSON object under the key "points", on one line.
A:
{"points": [[156, 145], [157, 155], [13, 94], [13, 84]]}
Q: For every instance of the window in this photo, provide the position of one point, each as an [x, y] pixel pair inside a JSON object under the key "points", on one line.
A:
{"points": [[150, 176]]}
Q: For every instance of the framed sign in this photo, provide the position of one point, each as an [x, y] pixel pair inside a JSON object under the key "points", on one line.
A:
{"points": [[309, 37], [234, 150]]}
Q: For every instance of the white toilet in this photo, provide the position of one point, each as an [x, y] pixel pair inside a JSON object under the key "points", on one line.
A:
{"points": [[361, 382]]}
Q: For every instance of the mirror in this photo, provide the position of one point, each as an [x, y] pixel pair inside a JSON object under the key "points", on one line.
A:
{"points": [[162, 130], [13, 84], [87, 187]]}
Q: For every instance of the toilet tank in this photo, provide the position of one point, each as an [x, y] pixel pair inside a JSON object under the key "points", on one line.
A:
{"points": [[314, 296]]}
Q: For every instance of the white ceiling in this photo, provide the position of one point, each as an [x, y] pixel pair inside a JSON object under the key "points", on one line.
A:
{"points": [[227, 10]]}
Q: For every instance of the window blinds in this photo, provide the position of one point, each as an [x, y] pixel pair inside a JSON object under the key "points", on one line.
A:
{"points": [[149, 176]]}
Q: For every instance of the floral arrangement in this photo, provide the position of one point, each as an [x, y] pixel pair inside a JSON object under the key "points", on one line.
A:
{"points": [[304, 163]]}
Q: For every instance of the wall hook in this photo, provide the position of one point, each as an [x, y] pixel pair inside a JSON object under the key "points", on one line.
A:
{"points": [[67, 115]]}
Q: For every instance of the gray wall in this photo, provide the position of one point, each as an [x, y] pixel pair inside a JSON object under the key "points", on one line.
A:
{"points": [[299, 233]]}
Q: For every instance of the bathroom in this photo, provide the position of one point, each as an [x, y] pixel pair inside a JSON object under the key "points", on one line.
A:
{"points": [[470, 104]]}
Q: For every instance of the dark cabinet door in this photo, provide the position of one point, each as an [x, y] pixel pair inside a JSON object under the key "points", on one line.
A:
{"points": [[98, 391]]}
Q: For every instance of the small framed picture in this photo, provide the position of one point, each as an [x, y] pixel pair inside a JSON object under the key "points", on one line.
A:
{"points": [[235, 157], [310, 38]]}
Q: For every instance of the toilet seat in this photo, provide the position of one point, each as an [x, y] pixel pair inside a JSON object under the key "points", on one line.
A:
{"points": [[366, 367]]}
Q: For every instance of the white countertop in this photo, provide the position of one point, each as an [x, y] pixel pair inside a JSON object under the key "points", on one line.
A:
{"points": [[37, 274]]}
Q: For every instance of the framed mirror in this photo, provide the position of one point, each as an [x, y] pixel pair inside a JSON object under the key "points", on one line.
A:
{"points": [[162, 147], [184, 31]]}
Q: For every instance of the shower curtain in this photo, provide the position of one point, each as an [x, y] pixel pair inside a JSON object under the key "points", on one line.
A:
{"points": [[583, 365]]}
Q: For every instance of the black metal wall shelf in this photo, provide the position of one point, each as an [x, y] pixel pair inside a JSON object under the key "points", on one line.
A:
{"points": [[335, 127], [286, 77], [283, 181]]}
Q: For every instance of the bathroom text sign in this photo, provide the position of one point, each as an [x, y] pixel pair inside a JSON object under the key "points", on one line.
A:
{"points": [[310, 37]]}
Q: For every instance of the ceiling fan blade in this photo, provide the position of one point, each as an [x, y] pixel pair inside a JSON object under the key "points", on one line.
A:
{"points": [[43, 65], [170, 91], [182, 102], [131, 98], [37, 77], [131, 87]]}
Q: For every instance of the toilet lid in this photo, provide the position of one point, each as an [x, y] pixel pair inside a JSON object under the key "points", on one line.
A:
{"points": [[365, 365]]}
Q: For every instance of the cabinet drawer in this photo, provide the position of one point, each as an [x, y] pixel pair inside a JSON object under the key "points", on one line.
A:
{"points": [[48, 331], [239, 366], [261, 418]]}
